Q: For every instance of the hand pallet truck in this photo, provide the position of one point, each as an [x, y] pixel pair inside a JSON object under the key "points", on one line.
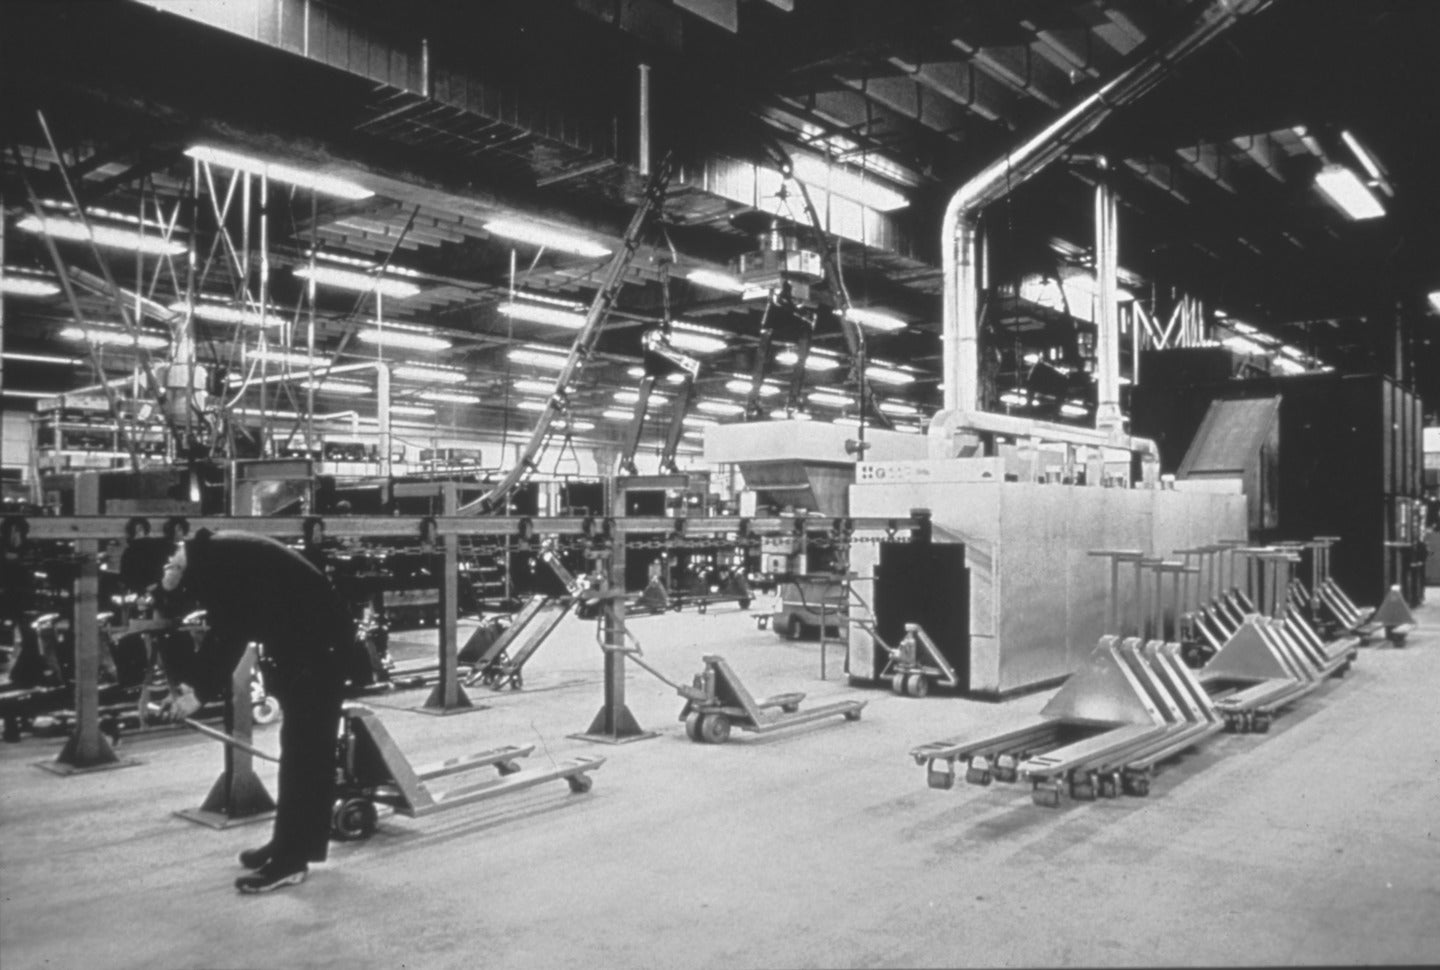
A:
{"points": [[718, 700], [372, 770]]}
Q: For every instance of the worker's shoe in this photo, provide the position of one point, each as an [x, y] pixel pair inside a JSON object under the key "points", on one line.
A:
{"points": [[272, 876], [258, 856]]}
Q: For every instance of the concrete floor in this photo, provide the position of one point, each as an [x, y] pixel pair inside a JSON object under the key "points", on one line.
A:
{"points": [[822, 847]]}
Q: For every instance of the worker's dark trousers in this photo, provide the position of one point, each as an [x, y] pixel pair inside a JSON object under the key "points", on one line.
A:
{"points": [[308, 734]]}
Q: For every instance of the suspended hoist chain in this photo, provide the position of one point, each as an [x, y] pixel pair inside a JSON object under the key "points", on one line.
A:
{"points": [[585, 341]]}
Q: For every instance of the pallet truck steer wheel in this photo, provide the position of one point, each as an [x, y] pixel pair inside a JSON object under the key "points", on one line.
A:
{"points": [[918, 685], [352, 819], [715, 728], [897, 683]]}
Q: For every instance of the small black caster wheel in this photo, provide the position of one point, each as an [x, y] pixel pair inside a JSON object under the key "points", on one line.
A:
{"points": [[1260, 723], [580, 783], [943, 779], [1046, 794], [744, 604], [1082, 787], [715, 728], [692, 726], [1007, 770], [897, 683], [978, 772], [352, 819], [1137, 784], [917, 685], [853, 715], [1109, 785], [506, 767]]}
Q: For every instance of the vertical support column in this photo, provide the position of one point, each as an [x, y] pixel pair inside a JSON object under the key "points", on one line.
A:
{"points": [[87, 749], [613, 723], [1107, 320], [644, 146], [382, 405], [448, 696], [238, 797]]}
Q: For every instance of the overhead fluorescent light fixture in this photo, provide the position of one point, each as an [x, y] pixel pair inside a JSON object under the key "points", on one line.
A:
{"points": [[830, 399], [538, 357], [723, 408], [633, 397], [412, 410], [1014, 399], [899, 408], [1372, 167], [363, 282], [1343, 189], [108, 236], [615, 414], [534, 313], [711, 279], [273, 356], [298, 177], [1072, 410], [741, 386], [538, 235], [23, 284], [697, 340], [575, 425], [530, 405], [449, 397], [813, 361], [889, 375], [429, 375], [697, 421], [528, 385], [114, 338], [342, 388], [246, 316], [403, 338], [1435, 300], [41, 359], [31, 395], [779, 414], [872, 319], [635, 372]]}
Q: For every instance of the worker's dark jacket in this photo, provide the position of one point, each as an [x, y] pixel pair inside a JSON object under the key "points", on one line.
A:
{"points": [[253, 588]]}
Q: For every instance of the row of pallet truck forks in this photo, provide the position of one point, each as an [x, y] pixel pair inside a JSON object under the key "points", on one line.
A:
{"points": [[1137, 702]]}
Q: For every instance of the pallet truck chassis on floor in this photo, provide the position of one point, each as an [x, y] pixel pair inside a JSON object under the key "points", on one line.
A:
{"points": [[373, 771], [718, 700]]}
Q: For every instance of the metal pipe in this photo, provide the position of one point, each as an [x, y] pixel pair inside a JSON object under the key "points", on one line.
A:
{"points": [[645, 120], [1107, 318], [960, 225], [382, 405]]}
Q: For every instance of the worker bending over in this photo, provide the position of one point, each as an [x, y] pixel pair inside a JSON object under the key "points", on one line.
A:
{"points": [[255, 589]]}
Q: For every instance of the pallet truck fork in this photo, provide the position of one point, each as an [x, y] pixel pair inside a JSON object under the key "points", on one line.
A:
{"points": [[718, 700], [372, 770]]}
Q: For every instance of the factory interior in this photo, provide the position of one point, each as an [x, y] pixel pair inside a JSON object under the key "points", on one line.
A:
{"points": [[784, 483]]}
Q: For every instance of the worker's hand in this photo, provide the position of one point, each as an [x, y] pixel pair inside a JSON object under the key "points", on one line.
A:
{"points": [[181, 704]]}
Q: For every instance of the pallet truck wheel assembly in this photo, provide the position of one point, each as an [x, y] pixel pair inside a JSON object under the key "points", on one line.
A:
{"points": [[1082, 786], [1046, 794], [265, 711], [714, 728], [1396, 637], [1136, 783], [353, 819], [1109, 786], [579, 784], [692, 726], [942, 778], [978, 772], [917, 685], [897, 684]]}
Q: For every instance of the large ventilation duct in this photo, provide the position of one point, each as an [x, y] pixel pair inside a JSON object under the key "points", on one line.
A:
{"points": [[960, 235]]}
